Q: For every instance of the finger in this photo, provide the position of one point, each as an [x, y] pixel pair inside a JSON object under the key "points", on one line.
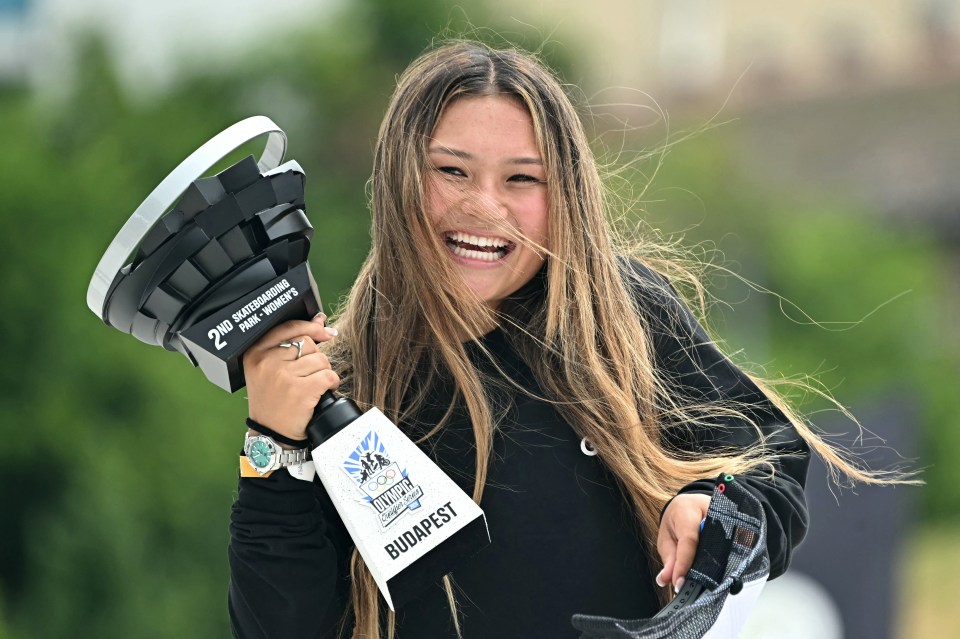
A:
{"points": [[295, 349], [309, 364], [686, 551], [666, 542], [328, 334], [290, 331], [321, 382], [663, 577], [666, 548], [330, 331]]}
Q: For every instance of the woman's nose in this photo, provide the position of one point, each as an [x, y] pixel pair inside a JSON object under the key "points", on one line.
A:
{"points": [[489, 198]]}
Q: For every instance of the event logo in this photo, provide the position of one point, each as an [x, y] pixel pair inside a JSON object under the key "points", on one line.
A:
{"points": [[385, 486]]}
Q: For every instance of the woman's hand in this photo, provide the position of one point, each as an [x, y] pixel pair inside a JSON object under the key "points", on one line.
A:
{"points": [[282, 391], [678, 537]]}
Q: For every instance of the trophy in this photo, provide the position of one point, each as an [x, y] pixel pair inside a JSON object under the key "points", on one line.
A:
{"points": [[204, 267]]}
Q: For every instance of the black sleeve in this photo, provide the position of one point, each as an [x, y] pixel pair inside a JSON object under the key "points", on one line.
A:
{"points": [[288, 553], [699, 374]]}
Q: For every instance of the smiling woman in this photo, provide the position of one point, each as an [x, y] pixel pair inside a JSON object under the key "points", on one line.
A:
{"points": [[562, 382], [488, 182]]}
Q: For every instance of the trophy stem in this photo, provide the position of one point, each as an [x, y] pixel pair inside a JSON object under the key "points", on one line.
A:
{"points": [[331, 415]]}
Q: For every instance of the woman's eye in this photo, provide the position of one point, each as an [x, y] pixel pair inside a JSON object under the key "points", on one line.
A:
{"points": [[451, 170], [523, 177]]}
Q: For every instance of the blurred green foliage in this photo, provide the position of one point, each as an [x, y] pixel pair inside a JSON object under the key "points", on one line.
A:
{"points": [[119, 460], [120, 464], [839, 297]]}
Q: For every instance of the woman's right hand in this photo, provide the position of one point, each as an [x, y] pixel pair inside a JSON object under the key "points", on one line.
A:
{"points": [[282, 391]]}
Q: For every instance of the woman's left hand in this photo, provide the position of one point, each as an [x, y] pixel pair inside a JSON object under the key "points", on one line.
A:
{"points": [[678, 537]]}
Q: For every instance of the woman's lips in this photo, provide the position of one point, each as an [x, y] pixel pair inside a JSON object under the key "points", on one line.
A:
{"points": [[473, 247]]}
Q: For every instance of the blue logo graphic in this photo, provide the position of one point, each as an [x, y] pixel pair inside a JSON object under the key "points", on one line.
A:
{"points": [[384, 485]]}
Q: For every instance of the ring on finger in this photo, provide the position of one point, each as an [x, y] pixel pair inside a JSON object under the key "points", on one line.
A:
{"points": [[298, 344]]}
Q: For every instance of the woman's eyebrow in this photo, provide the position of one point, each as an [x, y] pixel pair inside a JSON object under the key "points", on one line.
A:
{"points": [[463, 155], [446, 150]]}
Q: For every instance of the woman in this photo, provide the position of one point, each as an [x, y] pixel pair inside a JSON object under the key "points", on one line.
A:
{"points": [[561, 383]]}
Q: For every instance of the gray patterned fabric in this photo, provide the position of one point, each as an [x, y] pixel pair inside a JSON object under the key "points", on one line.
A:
{"points": [[731, 559]]}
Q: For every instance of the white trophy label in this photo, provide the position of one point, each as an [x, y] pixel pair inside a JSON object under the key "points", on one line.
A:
{"points": [[395, 502]]}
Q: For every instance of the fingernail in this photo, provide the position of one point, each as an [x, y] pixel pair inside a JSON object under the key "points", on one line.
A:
{"points": [[660, 579], [320, 317], [331, 331], [678, 585]]}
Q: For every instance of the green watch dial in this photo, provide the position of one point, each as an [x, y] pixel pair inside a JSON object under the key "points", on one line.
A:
{"points": [[260, 453]]}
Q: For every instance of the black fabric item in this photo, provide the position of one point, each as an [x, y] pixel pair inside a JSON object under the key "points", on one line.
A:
{"points": [[731, 551], [563, 537], [713, 550]]}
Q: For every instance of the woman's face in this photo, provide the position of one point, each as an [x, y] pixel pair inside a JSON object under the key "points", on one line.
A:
{"points": [[487, 175]]}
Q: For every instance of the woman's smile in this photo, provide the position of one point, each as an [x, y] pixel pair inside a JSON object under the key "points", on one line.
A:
{"points": [[469, 247]]}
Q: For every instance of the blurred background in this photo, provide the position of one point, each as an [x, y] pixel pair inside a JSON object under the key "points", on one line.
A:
{"points": [[811, 148]]}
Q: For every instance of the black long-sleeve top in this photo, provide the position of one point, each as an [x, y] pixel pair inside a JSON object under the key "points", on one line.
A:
{"points": [[563, 536]]}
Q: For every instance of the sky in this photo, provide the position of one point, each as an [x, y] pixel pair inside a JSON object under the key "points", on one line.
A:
{"points": [[150, 41]]}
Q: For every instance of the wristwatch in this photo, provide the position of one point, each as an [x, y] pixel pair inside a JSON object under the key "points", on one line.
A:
{"points": [[265, 455]]}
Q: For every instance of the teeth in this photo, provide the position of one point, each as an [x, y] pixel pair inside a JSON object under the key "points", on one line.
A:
{"points": [[476, 240], [476, 255]]}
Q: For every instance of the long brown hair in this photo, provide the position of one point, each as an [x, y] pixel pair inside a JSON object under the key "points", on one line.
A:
{"points": [[592, 347]]}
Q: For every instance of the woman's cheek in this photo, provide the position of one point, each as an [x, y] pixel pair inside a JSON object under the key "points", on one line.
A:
{"points": [[439, 196]]}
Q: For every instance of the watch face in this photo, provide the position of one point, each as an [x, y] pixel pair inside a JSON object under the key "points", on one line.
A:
{"points": [[260, 453]]}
